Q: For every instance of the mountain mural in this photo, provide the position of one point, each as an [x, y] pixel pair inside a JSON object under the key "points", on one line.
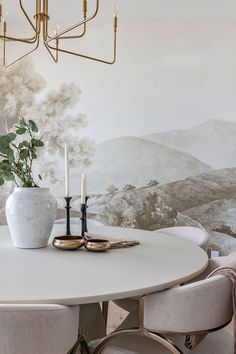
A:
{"points": [[207, 200], [136, 161], [203, 189], [212, 142]]}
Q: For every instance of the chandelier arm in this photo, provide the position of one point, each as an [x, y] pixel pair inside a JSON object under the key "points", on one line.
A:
{"points": [[26, 15], [30, 40], [76, 25], [55, 58], [76, 37], [23, 56], [25, 40], [88, 57]]}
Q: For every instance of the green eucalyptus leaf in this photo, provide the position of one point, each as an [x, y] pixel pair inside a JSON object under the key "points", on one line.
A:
{"points": [[5, 167], [20, 131], [23, 144], [11, 136], [36, 142], [5, 162], [6, 150], [4, 140], [1, 181], [24, 153], [8, 176], [22, 122], [40, 177], [33, 126], [34, 156]]}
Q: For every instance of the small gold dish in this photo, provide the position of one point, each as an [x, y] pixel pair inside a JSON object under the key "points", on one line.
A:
{"points": [[68, 242], [97, 245]]}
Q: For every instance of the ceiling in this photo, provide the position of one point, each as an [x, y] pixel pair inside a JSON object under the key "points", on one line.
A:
{"points": [[132, 10]]}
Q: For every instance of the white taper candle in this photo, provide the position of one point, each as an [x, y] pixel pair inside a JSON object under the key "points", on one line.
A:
{"points": [[67, 187], [83, 188]]}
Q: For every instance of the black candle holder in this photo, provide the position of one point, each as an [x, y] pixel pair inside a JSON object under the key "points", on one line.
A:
{"points": [[68, 207], [68, 241], [83, 209]]}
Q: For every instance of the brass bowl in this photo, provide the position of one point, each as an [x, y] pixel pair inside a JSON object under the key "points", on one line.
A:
{"points": [[97, 245], [68, 242]]}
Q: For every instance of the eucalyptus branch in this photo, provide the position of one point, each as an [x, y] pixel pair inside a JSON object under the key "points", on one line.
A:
{"points": [[19, 157]]}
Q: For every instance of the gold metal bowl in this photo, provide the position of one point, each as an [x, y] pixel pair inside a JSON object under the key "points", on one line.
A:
{"points": [[97, 245], [68, 242]]}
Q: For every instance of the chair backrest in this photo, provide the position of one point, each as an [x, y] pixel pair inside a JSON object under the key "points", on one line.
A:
{"points": [[195, 234], [41, 329], [199, 306]]}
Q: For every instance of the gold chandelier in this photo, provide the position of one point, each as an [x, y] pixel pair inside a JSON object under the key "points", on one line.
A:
{"points": [[52, 43]]}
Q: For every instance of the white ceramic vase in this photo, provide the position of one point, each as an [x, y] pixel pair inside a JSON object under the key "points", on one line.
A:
{"points": [[30, 214]]}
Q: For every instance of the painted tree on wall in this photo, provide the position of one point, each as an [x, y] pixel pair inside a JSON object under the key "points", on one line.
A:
{"points": [[19, 86], [22, 92], [59, 125]]}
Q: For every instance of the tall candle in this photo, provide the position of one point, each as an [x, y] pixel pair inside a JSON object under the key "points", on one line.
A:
{"points": [[83, 188], [67, 189]]}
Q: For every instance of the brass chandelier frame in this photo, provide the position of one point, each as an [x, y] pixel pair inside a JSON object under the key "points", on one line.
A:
{"points": [[53, 43]]}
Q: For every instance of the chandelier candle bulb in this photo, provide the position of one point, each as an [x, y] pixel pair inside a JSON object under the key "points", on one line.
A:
{"points": [[115, 18], [116, 10], [56, 29], [83, 188], [85, 6], [67, 191], [4, 16], [4, 22], [38, 7]]}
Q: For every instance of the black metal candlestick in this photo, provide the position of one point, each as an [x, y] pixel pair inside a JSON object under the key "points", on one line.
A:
{"points": [[68, 241], [68, 207], [83, 209]]}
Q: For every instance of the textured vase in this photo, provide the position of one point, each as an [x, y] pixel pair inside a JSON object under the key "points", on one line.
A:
{"points": [[30, 214]]}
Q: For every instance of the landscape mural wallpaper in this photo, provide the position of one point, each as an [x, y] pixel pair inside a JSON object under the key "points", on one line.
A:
{"points": [[155, 133]]}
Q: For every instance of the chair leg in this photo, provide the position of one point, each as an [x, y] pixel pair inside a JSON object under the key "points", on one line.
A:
{"points": [[138, 332], [82, 344], [105, 306]]}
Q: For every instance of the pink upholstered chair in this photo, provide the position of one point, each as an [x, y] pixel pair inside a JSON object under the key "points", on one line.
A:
{"points": [[39, 329]]}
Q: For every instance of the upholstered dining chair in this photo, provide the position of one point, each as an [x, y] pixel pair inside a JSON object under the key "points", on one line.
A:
{"points": [[39, 329], [186, 319], [197, 235]]}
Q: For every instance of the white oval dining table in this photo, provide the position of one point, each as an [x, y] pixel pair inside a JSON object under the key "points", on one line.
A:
{"points": [[49, 275]]}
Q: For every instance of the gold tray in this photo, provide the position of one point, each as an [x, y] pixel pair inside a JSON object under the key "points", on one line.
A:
{"points": [[68, 242]]}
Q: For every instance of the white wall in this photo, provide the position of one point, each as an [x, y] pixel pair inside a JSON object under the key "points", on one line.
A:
{"points": [[176, 66]]}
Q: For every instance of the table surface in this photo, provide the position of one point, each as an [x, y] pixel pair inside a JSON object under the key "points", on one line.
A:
{"points": [[49, 275]]}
